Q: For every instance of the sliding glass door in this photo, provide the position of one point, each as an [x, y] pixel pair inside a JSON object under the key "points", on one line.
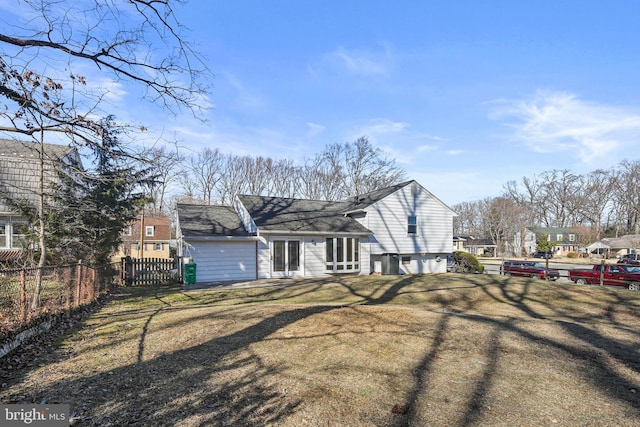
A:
{"points": [[285, 257]]}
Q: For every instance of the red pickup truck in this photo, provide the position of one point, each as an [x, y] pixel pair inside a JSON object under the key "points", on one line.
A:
{"points": [[611, 274], [531, 269]]}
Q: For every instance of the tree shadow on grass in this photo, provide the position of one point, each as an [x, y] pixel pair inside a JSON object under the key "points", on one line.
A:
{"points": [[219, 382]]}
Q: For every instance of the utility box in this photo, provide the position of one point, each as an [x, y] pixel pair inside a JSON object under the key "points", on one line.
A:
{"points": [[390, 264], [190, 274]]}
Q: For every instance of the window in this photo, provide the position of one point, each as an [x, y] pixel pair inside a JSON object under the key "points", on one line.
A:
{"points": [[278, 255], [286, 256], [127, 231], [342, 254], [148, 230], [157, 247], [572, 237], [412, 225], [406, 260], [3, 236], [559, 238]]}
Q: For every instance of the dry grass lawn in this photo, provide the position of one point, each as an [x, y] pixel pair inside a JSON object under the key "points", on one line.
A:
{"points": [[434, 350]]}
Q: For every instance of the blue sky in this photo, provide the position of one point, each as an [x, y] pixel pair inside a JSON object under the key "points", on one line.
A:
{"points": [[465, 95]]}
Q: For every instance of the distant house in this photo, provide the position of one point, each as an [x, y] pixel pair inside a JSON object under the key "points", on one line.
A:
{"points": [[566, 240], [610, 247], [20, 171], [477, 247], [146, 238], [403, 226]]}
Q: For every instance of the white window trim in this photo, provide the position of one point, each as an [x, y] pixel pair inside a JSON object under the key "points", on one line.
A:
{"points": [[415, 224], [149, 231], [345, 264]]}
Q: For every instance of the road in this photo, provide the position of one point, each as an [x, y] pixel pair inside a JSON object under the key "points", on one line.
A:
{"points": [[492, 266]]}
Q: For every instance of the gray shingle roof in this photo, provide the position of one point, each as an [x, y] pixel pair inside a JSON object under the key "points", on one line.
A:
{"points": [[280, 214], [300, 215], [368, 199], [203, 221], [20, 166]]}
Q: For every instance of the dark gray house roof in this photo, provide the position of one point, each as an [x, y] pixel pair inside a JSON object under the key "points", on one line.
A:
{"points": [[300, 215], [203, 221], [20, 168], [281, 214], [367, 199]]}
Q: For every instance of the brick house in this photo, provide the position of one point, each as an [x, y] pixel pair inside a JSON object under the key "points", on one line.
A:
{"points": [[152, 241]]}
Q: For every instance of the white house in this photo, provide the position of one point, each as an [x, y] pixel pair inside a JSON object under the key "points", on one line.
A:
{"points": [[22, 164], [403, 228]]}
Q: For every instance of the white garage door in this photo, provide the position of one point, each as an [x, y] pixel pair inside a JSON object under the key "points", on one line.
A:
{"points": [[228, 260]]}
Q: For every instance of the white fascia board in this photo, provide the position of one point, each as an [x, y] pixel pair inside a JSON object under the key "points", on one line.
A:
{"points": [[219, 238], [314, 233]]}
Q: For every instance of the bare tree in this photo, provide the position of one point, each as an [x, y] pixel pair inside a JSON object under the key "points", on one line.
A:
{"points": [[348, 170], [205, 171], [561, 188], [320, 178], [502, 220], [627, 196], [121, 39], [368, 168], [594, 200], [283, 180], [468, 221], [167, 166]]}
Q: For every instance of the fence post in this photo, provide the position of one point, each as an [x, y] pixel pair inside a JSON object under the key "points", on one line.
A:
{"points": [[92, 284], [78, 282], [23, 295], [128, 270]]}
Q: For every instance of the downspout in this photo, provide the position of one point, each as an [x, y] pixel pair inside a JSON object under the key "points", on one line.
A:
{"points": [[256, 260]]}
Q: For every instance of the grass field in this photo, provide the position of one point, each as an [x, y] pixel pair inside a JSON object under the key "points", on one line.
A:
{"points": [[433, 350]]}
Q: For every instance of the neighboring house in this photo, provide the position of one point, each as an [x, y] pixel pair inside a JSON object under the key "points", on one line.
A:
{"points": [[565, 238], [458, 243], [611, 247], [20, 167], [477, 247], [266, 237], [153, 231]]}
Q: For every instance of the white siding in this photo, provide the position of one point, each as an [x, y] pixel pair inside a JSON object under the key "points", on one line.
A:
{"points": [[388, 221], [264, 259], [420, 264], [314, 261], [224, 260]]}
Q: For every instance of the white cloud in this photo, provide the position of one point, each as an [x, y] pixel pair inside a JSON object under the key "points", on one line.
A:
{"points": [[314, 129], [425, 148], [113, 91], [357, 62], [378, 127], [244, 97], [551, 122]]}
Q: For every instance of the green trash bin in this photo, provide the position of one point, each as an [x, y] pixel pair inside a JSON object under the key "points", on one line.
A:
{"points": [[190, 274]]}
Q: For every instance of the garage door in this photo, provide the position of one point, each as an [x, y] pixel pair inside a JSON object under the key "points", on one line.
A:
{"points": [[228, 260]]}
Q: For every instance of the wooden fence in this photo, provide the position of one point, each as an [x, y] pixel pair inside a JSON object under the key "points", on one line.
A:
{"points": [[146, 271]]}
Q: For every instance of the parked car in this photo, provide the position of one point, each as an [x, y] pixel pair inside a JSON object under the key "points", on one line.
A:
{"points": [[633, 259], [543, 254], [531, 269], [611, 275]]}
